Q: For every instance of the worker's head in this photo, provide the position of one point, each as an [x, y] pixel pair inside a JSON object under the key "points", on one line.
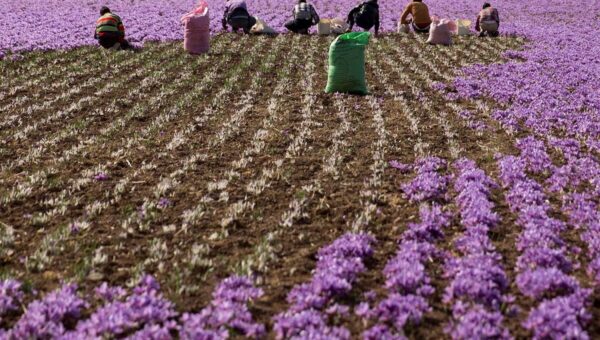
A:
{"points": [[486, 5], [104, 10], [301, 1]]}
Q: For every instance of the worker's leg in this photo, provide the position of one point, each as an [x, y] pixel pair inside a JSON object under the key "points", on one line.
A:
{"points": [[490, 28], [108, 41], [238, 22], [303, 26], [292, 26]]}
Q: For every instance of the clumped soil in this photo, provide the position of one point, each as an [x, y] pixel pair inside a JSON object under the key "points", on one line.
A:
{"points": [[246, 109]]}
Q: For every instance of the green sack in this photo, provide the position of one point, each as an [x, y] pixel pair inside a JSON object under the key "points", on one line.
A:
{"points": [[347, 63]]}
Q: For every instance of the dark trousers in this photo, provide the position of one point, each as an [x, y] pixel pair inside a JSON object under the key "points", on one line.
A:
{"points": [[243, 22], [364, 23], [299, 25], [109, 40], [421, 29]]}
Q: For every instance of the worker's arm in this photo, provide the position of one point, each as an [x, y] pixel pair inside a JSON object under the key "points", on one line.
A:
{"points": [[496, 16], [405, 14], [477, 23], [377, 25], [315, 15], [121, 28], [351, 14], [224, 20]]}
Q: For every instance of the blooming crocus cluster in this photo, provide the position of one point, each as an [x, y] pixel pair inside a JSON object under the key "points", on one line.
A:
{"points": [[10, 296], [46, 318], [585, 213], [429, 184], [312, 303], [144, 307], [227, 312], [142, 314], [406, 277], [101, 176], [540, 276], [478, 282]]}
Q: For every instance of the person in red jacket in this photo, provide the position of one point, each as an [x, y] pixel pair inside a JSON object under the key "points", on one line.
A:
{"points": [[110, 31], [488, 21]]}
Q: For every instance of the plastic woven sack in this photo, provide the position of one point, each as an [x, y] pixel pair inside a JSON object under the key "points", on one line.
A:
{"points": [[196, 36], [440, 32], [403, 28], [324, 27], [331, 26], [261, 27], [347, 63], [463, 26]]}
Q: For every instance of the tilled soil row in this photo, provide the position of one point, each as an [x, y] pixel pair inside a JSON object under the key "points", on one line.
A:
{"points": [[122, 165]]}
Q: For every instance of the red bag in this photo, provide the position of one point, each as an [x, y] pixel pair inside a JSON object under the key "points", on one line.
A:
{"points": [[196, 37]]}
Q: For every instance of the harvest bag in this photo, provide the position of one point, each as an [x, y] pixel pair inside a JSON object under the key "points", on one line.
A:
{"points": [[324, 27], [261, 27], [403, 28], [463, 26], [331, 26], [440, 32], [197, 30], [347, 63]]}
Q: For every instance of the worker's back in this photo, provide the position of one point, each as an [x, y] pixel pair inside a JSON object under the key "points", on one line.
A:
{"points": [[109, 23], [489, 14], [420, 13], [368, 15]]}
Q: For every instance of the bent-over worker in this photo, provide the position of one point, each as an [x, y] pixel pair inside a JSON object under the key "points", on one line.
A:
{"points": [[419, 16], [305, 16], [110, 31], [488, 21], [236, 15], [365, 16]]}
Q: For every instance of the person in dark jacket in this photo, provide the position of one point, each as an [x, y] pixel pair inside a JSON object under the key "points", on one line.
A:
{"points": [[488, 21], [236, 15], [110, 31], [305, 16], [365, 16]]}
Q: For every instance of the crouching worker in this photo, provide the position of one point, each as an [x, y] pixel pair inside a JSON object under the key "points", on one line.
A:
{"points": [[365, 16], [488, 21], [305, 16], [419, 16], [236, 15], [110, 31]]}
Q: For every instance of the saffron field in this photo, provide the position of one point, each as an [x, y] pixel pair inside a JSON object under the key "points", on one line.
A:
{"points": [[157, 195]]}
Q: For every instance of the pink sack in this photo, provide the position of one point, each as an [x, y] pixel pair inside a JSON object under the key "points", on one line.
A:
{"points": [[201, 7], [440, 31], [196, 36]]}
